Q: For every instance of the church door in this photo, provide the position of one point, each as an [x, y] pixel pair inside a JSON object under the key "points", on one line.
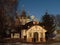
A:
{"points": [[35, 37], [25, 38]]}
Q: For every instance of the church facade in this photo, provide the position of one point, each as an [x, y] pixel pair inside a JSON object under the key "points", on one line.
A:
{"points": [[34, 33]]}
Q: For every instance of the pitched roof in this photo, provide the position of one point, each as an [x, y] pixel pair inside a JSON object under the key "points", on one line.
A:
{"points": [[29, 25]]}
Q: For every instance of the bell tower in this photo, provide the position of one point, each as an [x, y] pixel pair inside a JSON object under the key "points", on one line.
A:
{"points": [[23, 17]]}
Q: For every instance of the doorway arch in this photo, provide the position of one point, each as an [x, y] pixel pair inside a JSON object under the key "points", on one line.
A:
{"points": [[35, 36]]}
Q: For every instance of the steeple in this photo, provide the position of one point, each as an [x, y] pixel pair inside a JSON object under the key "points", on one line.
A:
{"points": [[29, 14], [23, 14]]}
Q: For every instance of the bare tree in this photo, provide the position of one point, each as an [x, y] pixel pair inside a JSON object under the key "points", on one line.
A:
{"points": [[7, 11]]}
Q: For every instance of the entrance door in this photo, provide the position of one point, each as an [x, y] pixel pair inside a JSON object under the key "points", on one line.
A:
{"points": [[35, 37], [25, 38]]}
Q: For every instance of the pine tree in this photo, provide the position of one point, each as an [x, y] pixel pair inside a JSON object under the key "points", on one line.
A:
{"points": [[49, 23]]}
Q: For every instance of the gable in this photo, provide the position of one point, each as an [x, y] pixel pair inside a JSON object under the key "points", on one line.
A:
{"points": [[36, 28]]}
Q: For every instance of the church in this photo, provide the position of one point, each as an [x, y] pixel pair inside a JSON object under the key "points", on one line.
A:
{"points": [[33, 32], [30, 30]]}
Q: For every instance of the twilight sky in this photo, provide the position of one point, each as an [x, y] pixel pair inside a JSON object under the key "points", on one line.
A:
{"points": [[39, 7]]}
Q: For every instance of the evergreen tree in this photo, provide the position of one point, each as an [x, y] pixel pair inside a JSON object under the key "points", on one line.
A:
{"points": [[49, 23]]}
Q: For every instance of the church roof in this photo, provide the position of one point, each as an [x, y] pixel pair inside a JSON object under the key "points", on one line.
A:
{"points": [[23, 13], [29, 25]]}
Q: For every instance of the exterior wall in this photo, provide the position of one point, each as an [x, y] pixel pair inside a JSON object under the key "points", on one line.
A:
{"points": [[28, 20], [16, 35], [37, 29], [24, 21], [30, 34], [29, 39], [23, 33], [12, 35]]}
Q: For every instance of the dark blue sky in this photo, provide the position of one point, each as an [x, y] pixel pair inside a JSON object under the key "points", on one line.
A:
{"points": [[39, 7]]}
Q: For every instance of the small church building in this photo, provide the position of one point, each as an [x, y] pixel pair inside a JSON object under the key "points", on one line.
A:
{"points": [[33, 32]]}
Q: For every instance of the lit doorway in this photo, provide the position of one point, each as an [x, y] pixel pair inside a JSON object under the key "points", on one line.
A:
{"points": [[35, 37]]}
